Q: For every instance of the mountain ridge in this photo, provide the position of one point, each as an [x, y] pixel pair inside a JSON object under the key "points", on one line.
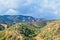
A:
{"points": [[17, 19]]}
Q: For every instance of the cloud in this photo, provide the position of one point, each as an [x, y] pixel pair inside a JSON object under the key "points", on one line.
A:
{"points": [[11, 12], [36, 8], [3, 8]]}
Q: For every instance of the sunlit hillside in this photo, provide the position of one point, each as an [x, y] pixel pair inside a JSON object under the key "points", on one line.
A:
{"points": [[49, 30]]}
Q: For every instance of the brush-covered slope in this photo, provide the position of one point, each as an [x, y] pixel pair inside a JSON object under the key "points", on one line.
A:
{"points": [[32, 31], [51, 31], [21, 31]]}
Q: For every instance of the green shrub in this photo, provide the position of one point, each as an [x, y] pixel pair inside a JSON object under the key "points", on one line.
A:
{"points": [[26, 31]]}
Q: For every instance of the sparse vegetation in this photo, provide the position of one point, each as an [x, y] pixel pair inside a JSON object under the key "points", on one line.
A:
{"points": [[32, 31]]}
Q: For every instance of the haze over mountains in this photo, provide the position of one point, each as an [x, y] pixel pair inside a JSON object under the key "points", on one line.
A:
{"points": [[17, 19]]}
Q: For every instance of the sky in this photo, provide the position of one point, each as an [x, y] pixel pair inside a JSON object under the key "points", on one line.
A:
{"points": [[48, 9]]}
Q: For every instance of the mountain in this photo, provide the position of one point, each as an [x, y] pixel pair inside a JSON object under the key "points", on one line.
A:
{"points": [[21, 31], [28, 31], [17, 19], [51, 31]]}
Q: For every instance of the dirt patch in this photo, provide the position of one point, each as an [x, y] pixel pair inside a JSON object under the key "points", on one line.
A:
{"points": [[38, 38]]}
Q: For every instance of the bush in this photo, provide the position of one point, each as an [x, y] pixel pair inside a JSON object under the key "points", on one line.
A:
{"points": [[26, 31]]}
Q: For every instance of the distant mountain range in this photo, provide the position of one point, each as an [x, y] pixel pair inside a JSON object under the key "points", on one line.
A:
{"points": [[17, 19]]}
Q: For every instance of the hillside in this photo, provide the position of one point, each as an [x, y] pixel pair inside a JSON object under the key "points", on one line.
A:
{"points": [[51, 31], [32, 31]]}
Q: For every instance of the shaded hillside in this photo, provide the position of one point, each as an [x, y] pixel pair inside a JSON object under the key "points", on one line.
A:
{"points": [[9, 19]]}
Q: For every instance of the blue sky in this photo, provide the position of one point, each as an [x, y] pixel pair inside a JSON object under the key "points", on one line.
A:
{"points": [[49, 9]]}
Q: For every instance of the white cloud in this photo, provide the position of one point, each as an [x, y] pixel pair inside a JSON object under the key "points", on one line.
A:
{"points": [[31, 7], [28, 2], [11, 12], [3, 7], [13, 3]]}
